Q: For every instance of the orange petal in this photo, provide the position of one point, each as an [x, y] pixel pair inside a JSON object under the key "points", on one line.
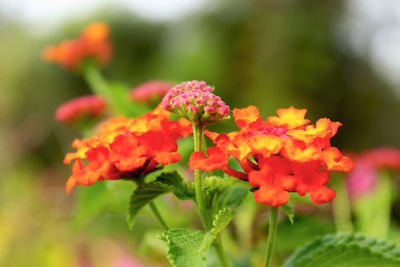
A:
{"points": [[216, 159], [245, 116], [289, 118]]}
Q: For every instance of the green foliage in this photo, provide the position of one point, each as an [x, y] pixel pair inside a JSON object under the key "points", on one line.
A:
{"points": [[215, 187], [345, 250], [220, 221], [232, 197], [183, 246], [187, 248], [289, 212], [177, 185], [146, 192]]}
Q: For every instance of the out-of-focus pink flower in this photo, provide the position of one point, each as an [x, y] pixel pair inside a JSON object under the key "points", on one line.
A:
{"points": [[146, 91], [127, 261], [363, 178], [76, 109]]}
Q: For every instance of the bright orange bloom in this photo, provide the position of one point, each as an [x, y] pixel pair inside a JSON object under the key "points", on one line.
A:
{"points": [[279, 155], [92, 43], [76, 109], [146, 91], [127, 148]]}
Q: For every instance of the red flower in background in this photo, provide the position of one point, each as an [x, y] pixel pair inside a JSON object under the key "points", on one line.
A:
{"points": [[147, 91], [92, 43], [77, 109], [127, 148], [279, 155], [363, 178]]}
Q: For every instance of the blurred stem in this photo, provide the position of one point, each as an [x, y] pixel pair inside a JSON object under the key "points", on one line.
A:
{"points": [[373, 209], [158, 215], [100, 87], [341, 207], [204, 213], [219, 250], [273, 230]]}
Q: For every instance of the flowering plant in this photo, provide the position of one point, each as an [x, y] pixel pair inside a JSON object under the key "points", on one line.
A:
{"points": [[275, 158]]}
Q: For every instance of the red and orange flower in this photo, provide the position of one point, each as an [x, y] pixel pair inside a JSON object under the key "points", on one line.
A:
{"points": [[282, 154], [92, 43], [126, 148]]}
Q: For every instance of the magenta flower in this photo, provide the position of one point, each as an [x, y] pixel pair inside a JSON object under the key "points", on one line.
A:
{"points": [[363, 178], [194, 101]]}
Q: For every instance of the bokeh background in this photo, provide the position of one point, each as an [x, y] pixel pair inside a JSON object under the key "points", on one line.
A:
{"points": [[339, 59]]}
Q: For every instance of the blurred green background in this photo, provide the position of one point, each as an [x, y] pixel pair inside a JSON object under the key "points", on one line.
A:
{"points": [[310, 54]]}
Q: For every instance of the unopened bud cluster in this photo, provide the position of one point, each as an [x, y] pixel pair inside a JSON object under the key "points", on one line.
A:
{"points": [[194, 101]]}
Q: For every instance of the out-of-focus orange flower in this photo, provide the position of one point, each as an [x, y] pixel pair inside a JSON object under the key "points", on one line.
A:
{"points": [[279, 155], [76, 109], [127, 148], [147, 91], [92, 43]]}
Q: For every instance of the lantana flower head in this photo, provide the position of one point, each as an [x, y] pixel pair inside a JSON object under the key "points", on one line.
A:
{"points": [[80, 108], [93, 43], [147, 91], [195, 101], [126, 148], [282, 154]]}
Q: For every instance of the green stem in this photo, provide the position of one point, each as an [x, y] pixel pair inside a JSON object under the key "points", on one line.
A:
{"points": [[204, 214], [273, 230], [219, 250], [158, 215], [341, 207], [96, 81], [198, 136], [100, 87]]}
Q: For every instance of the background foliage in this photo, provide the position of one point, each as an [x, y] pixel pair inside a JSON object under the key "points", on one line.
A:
{"points": [[267, 53]]}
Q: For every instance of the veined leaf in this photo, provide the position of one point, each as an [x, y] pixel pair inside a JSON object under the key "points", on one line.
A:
{"points": [[232, 197], [178, 186], [146, 192], [183, 246], [220, 221], [187, 248], [344, 250]]}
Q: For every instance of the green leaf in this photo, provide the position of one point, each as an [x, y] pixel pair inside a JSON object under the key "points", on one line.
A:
{"points": [[146, 192], [344, 250], [183, 246], [143, 194], [232, 197], [178, 186], [289, 212], [187, 248], [220, 221]]}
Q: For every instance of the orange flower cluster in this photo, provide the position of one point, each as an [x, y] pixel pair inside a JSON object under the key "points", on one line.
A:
{"points": [[92, 43], [79, 108], [280, 155], [127, 148]]}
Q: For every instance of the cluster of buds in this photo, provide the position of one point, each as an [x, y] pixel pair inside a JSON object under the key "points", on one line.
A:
{"points": [[195, 101]]}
